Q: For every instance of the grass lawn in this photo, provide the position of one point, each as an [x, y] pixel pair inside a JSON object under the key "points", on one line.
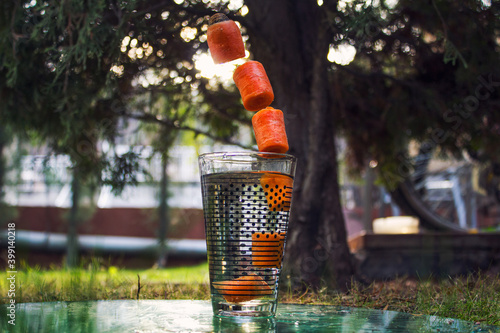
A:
{"points": [[474, 298]]}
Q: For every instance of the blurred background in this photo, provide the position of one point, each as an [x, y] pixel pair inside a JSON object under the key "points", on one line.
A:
{"points": [[105, 106]]}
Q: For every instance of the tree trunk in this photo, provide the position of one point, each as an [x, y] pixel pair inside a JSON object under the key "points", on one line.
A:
{"points": [[163, 213], [3, 142], [317, 251], [72, 237]]}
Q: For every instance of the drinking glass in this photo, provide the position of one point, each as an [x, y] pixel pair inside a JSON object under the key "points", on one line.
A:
{"points": [[246, 203]]}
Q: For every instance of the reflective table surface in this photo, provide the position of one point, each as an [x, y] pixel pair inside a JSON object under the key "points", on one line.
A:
{"points": [[196, 316]]}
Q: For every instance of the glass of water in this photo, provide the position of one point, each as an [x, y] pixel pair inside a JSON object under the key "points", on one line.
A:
{"points": [[246, 203]]}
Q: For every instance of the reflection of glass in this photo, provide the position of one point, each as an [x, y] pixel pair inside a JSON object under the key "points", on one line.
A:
{"points": [[246, 201], [244, 324]]}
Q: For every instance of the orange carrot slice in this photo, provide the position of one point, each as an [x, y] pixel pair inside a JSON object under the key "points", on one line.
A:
{"points": [[278, 191], [254, 86], [267, 249], [224, 39], [243, 289], [269, 128]]}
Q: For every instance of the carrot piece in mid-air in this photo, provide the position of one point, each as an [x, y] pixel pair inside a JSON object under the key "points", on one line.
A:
{"points": [[224, 39], [269, 128], [254, 86]]}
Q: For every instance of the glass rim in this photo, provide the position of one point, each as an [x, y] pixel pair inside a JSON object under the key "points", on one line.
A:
{"points": [[258, 154]]}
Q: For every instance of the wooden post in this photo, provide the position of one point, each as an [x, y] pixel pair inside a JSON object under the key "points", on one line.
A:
{"points": [[367, 199]]}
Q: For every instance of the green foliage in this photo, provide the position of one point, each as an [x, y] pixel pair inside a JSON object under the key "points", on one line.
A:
{"points": [[72, 71], [123, 170], [418, 77]]}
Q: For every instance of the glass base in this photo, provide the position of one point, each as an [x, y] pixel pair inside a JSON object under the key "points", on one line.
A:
{"points": [[244, 324], [254, 309]]}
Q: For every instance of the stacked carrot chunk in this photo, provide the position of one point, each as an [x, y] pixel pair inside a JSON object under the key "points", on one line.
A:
{"points": [[224, 39], [225, 44], [254, 86]]}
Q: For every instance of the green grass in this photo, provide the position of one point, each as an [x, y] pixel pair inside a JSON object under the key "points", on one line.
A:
{"points": [[95, 282], [473, 298]]}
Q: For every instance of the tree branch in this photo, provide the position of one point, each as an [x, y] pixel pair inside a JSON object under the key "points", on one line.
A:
{"points": [[380, 75], [203, 11], [151, 118]]}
